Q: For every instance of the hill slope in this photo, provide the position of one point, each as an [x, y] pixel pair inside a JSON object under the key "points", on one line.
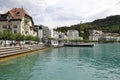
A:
{"points": [[109, 24]]}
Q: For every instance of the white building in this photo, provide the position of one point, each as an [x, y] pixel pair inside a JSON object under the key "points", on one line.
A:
{"points": [[44, 33], [18, 21], [95, 35], [73, 35], [112, 38], [57, 38], [58, 35], [55, 34]]}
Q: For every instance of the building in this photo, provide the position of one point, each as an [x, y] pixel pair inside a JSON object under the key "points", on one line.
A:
{"points": [[44, 33], [111, 37], [58, 35], [17, 20], [54, 34], [73, 35], [58, 38], [95, 35]]}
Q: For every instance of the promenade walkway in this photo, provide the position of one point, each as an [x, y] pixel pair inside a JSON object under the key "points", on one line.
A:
{"points": [[13, 50]]}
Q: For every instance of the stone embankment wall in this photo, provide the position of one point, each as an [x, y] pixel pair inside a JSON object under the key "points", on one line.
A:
{"points": [[9, 51]]}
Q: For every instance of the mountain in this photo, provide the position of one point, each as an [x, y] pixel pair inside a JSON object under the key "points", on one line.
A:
{"points": [[109, 24]]}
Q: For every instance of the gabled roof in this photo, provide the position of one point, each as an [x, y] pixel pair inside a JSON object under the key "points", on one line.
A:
{"points": [[16, 13]]}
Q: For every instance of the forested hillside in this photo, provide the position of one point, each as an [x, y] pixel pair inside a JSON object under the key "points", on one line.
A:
{"points": [[109, 24]]}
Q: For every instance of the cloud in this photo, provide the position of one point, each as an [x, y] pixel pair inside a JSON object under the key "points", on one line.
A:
{"points": [[98, 15], [55, 13]]}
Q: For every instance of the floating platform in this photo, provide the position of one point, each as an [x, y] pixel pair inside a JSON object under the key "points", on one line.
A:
{"points": [[80, 45]]}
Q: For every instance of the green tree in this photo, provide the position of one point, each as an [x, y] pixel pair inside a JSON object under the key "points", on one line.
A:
{"points": [[1, 35], [6, 35], [28, 37], [18, 37], [36, 38]]}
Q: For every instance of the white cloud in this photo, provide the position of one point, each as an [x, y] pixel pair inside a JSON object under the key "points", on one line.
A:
{"points": [[55, 13]]}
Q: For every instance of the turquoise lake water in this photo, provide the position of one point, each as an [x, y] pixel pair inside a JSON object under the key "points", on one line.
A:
{"points": [[101, 62]]}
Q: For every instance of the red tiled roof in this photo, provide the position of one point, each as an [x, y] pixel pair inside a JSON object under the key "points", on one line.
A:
{"points": [[16, 13]]}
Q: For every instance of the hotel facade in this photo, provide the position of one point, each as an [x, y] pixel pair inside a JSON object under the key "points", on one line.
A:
{"points": [[17, 20]]}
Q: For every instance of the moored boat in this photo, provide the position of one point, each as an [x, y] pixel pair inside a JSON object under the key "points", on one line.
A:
{"points": [[80, 45]]}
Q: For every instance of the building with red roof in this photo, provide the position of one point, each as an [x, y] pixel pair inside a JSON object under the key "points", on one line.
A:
{"points": [[18, 21]]}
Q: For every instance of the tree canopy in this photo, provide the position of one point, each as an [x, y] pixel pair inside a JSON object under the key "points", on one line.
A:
{"points": [[8, 35]]}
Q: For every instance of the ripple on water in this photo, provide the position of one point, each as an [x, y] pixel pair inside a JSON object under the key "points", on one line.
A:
{"points": [[101, 62]]}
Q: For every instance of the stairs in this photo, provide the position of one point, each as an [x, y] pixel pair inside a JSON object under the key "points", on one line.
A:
{"points": [[7, 51]]}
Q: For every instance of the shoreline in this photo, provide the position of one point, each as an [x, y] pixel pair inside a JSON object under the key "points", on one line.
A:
{"points": [[20, 55], [6, 52], [11, 51]]}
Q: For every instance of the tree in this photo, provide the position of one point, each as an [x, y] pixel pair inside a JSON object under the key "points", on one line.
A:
{"points": [[28, 37], [18, 37], [13, 37], [36, 39], [1, 35], [6, 35]]}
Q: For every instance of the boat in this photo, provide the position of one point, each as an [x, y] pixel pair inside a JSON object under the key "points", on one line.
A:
{"points": [[80, 45]]}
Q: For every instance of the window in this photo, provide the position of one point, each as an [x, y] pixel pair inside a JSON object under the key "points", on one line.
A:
{"points": [[15, 31], [26, 32], [31, 28], [40, 27], [17, 13], [4, 26], [15, 26]]}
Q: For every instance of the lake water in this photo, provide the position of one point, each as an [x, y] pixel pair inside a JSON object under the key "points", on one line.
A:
{"points": [[101, 62]]}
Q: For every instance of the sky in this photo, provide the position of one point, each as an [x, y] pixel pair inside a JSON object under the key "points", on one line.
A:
{"points": [[56, 13]]}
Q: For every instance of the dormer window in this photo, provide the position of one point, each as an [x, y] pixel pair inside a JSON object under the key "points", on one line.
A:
{"points": [[18, 13]]}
